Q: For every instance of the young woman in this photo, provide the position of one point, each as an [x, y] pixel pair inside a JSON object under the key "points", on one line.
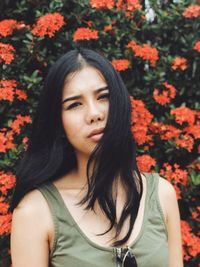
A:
{"points": [[80, 199]]}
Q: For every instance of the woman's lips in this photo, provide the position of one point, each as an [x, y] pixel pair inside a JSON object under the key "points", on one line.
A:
{"points": [[96, 137]]}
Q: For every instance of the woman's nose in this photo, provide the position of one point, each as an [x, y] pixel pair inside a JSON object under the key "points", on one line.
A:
{"points": [[94, 113]]}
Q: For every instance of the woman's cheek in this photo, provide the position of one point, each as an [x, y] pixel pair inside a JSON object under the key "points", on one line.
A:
{"points": [[71, 124]]}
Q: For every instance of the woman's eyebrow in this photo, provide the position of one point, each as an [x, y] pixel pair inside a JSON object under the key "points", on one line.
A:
{"points": [[79, 96]]}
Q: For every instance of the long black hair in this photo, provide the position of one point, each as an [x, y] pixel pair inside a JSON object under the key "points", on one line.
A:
{"points": [[48, 157]]}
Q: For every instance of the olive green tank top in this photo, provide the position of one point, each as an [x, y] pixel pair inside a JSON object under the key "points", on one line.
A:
{"points": [[72, 248]]}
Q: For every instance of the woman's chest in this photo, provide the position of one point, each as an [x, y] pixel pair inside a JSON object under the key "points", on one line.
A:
{"points": [[93, 223]]}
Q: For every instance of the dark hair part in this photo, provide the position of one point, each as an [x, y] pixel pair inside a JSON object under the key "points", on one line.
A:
{"points": [[47, 156]]}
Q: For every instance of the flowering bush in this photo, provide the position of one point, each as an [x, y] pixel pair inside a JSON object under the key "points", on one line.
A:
{"points": [[158, 58]]}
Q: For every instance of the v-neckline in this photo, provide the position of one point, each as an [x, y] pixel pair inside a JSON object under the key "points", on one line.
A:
{"points": [[92, 243]]}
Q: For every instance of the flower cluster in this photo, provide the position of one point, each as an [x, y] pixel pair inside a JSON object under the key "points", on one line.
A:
{"points": [[182, 138], [145, 52], [141, 118], [145, 163], [8, 90], [186, 141], [6, 140], [129, 5], [120, 64], [48, 24], [7, 26], [166, 95], [179, 63], [3, 205], [197, 46], [85, 34], [5, 222], [7, 182], [7, 136], [20, 121], [193, 129], [184, 114], [6, 53], [175, 175], [189, 132], [102, 4], [165, 131], [192, 11], [191, 243]]}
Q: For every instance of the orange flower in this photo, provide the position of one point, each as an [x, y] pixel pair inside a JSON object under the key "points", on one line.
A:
{"points": [[192, 11], [141, 119], [8, 91], [19, 121], [120, 64], [197, 46], [5, 224], [6, 140], [175, 175], [102, 4], [7, 182], [171, 89], [195, 215], [7, 136], [179, 63], [48, 24], [185, 141], [7, 94], [85, 34], [3, 207], [7, 26], [145, 52], [184, 114], [166, 131], [193, 130], [166, 95], [108, 28], [6, 53], [191, 243], [129, 5], [145, 163], [21, 95]]}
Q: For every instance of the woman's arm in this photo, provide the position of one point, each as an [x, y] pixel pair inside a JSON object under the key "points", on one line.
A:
{"points": [[29, 238], [168, 198]]}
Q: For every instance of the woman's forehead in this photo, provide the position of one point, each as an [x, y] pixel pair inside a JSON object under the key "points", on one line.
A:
{"points": [[86, 78]]}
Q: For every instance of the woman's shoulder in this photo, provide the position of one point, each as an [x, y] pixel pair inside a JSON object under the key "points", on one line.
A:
{"points": [[165, 188], [165, 192], [32, 201], [30, 227], [32, 207], [167, 196]]}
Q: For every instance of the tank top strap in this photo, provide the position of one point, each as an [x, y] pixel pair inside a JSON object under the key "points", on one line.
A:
{"points": [[61, 220], [55, 202], [154, 205], [153, 180]]}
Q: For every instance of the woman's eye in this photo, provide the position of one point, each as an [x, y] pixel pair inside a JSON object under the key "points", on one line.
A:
{"points": [[104, 96], [74, 105]]}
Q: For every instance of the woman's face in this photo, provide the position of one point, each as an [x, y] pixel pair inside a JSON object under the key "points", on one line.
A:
{"points": [[85, 108]]}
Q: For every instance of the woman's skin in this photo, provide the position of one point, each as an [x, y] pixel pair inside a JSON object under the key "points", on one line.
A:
{"points": [[32, 232]]}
